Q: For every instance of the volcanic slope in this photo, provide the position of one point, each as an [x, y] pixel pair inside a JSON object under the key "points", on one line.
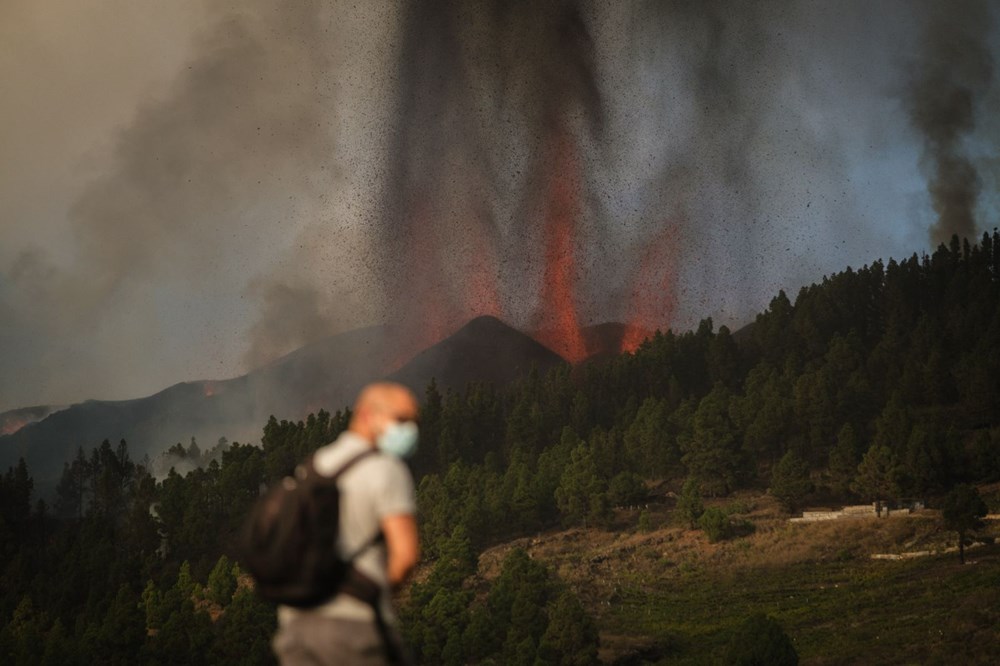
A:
{"points": [[15, 419], [485, 349]]}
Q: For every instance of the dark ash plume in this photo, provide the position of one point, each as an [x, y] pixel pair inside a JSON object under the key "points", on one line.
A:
{"points": [[485, 87], [952, 75]]}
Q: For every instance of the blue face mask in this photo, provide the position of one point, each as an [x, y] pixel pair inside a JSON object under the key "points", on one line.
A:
{"points": [[399, 439]]}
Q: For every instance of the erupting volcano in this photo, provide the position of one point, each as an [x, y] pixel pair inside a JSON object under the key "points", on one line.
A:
{"points": [[491, 208], [585, 172]]}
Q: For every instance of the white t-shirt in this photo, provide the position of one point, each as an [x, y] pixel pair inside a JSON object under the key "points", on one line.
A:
{"points": [[373, 488]]}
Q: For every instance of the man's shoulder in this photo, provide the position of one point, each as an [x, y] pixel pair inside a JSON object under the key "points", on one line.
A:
{"points": [[329, 459], [381, 468]]}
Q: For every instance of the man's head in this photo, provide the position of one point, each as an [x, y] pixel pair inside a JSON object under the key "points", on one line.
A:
{"points": [[378, 406]]}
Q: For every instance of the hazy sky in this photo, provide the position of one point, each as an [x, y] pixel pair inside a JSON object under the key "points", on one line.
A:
{"points": [[191, 188]]}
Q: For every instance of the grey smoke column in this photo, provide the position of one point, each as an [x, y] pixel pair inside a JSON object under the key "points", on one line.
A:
{"points": [[951, 77]]}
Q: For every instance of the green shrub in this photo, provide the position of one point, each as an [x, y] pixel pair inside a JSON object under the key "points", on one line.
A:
{"points": [[644, 522], [715, 523], [626, 489], [760, 641], [845, 555], [737, 507], [741, 527], [689, 503]]}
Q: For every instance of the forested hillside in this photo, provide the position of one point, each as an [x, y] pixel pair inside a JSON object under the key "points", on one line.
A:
{"points": [[875, 384]]}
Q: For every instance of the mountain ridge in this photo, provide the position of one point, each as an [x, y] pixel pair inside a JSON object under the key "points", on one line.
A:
{"points": [[325, 374]]}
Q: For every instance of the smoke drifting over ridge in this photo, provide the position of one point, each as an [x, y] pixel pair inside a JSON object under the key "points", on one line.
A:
{"points": [[951, 77], [212, 189], [555, 164], [248, 121]]}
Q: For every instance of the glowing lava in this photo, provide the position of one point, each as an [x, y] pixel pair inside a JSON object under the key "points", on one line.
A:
{"points": [[12, 424], [560, 328]]}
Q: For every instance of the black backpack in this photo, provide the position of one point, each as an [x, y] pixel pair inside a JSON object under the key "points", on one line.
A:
{"points": [[289, 542]]}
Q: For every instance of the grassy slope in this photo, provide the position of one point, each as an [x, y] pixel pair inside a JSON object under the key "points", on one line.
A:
{"points": [[668, 596]]}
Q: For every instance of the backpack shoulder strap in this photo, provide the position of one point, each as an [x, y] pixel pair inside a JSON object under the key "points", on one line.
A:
{"points": [[311, 465]]}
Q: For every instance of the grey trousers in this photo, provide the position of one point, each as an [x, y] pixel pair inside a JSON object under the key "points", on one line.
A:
{"points": [[311, 640]]}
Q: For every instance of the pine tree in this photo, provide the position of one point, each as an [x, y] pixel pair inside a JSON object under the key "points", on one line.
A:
{"points": [[582, 493], [689, 504], [790, 480], [222, 581], [712, 453], [71, 488], [243, 633], [843, 460], [123, 631], [878, 475], [626, 489], [571, 638], [963, 511]]}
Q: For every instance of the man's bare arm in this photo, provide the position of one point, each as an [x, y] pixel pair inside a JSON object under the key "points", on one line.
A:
{"points": [[402, 545]]}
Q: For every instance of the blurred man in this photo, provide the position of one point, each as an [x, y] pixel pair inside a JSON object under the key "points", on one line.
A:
{"points": [[359, 626]]}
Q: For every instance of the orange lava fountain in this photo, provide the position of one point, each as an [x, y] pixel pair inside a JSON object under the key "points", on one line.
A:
{"points": [[560, 329]]}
